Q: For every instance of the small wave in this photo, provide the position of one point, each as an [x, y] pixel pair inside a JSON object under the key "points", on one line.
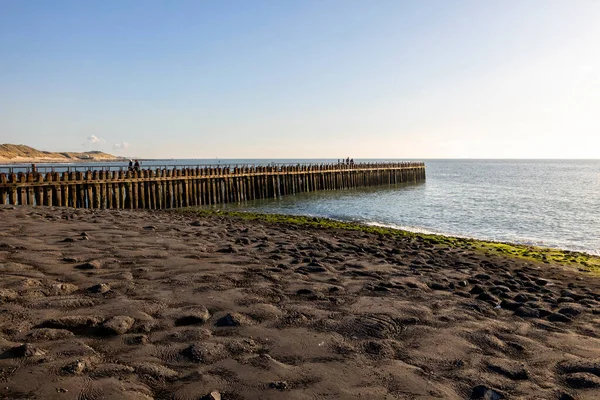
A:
{"points": [[414, 229], [516, 241], [425, 231]]}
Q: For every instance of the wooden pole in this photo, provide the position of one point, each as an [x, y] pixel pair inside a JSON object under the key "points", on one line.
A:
{"points": [[3, 189]]}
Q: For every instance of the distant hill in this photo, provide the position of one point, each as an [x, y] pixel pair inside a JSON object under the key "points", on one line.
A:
{"points": [[19, 153]]}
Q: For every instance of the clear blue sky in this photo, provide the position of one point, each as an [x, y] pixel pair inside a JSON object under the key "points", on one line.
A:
{"points": [[286, 79]]}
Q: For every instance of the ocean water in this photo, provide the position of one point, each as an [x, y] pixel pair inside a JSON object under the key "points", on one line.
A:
{"points": [[552, 203]]}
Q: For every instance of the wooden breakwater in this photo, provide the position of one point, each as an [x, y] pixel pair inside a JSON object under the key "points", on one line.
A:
{"points": [[173, 188]]}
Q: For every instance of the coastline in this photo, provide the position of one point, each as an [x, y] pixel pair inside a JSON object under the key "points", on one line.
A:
{"points": [[533, 245], [583, 261], [11, 154], [37, 160], [137, 304]]}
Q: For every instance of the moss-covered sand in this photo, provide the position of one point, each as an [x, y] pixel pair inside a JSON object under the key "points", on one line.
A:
{"points": [[582, 261]]}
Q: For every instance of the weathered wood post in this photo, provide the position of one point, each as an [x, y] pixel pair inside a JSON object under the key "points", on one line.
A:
{"points": [[56, 192], [12, 194], [101, 189], [64, 181], [3, 189], [48, 189], [22, 189]]}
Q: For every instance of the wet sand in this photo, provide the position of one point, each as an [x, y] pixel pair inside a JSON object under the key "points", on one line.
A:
{"points": [[158, 305]]}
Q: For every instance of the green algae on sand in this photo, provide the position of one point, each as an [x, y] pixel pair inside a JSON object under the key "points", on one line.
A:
{"points": [[583, 262]]}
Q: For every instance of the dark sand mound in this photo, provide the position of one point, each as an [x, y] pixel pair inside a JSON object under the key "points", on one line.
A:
{"points": [[240, 309]]}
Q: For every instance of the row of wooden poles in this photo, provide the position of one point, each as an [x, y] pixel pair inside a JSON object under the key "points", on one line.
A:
{"points": [[172, 188]]}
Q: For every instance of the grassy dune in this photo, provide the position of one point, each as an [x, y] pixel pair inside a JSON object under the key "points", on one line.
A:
{"points": [[15, 153]]}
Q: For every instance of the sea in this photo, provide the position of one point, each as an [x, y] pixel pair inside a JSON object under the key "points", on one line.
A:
{"points": [[550, 203]]}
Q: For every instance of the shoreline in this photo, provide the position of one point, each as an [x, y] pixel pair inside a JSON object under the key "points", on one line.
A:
{"points": [[143, 305], [426, 231], [28, 162], [23, 154], [591, 262]]}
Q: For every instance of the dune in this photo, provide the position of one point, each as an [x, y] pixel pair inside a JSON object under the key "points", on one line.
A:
{"points": [[18, 153]]}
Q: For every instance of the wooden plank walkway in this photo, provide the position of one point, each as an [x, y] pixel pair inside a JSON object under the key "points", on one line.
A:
{"points": [[173, 188]]}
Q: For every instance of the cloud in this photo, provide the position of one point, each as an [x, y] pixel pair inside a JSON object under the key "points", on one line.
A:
{"points": [[95, 139], [93, 142], [121, 146]]}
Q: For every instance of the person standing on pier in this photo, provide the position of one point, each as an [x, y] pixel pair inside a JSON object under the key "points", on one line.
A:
{"points": [[136, 166]]}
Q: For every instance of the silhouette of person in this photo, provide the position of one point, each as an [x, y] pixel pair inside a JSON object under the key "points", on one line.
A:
{"points": [[131, 165], [136, 166]]}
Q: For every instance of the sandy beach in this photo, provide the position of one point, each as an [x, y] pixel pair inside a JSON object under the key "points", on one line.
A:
{"points": [[161, 305]]}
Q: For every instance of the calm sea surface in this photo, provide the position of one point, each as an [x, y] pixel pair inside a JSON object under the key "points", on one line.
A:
{"points": [[549, 203], [554, 203]]}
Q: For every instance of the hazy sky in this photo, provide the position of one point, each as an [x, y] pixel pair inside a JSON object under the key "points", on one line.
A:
{"points": [[287, 79]]}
